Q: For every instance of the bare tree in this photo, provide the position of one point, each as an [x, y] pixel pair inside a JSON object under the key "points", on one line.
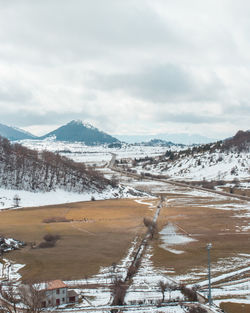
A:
{"points": [[151, 226], [28, 295], [163, 287], [118, 289], [16, 200], [170, 288], [9, 298], [32, 296]]}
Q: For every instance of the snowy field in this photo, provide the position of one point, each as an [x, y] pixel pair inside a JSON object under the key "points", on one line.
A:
{"points": [[93, 154], [34, 199], [144, 287]]}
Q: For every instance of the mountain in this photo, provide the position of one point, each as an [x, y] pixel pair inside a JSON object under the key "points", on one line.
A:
{"points": [[78, 131], [13, 133], [181, 138], [159, 143]]}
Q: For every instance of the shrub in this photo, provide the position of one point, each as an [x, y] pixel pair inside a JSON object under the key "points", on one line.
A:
{"points": [[197, 309], [47, 244], [49, 241], [50, 237], [57, 219]]}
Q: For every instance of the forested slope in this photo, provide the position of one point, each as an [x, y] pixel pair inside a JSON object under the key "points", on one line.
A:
{"points": [[26, 169]]}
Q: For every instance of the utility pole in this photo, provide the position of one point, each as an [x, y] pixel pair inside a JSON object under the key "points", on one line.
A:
{"points": [[209, 246]]}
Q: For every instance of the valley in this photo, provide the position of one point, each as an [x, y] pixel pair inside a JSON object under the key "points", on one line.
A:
{"points": [[99, 239]]}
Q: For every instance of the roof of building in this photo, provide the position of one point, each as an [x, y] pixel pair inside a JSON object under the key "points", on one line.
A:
{"points": [[55, 284], [72, 293]]}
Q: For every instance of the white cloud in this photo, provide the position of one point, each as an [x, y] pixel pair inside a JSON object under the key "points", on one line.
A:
{"points": [[127, 66]]}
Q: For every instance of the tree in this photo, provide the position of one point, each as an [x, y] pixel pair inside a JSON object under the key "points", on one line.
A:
{"points": [[9, 298], [163, 287], [27, 295], [32, 296], [16, 200], [118, 289], [151, 226]]}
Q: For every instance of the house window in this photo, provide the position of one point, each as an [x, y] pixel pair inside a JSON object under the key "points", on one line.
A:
{"points": [[57, 291], [63, 299]]}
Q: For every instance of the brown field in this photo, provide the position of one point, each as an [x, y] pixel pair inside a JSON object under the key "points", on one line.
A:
{"points": [[100, 234], [238, 191], [205, 225], [235, 307]]}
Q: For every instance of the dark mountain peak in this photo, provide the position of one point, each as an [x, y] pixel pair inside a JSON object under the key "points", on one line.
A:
{"points": [[159, 143], [14, 133], [77, 130]]}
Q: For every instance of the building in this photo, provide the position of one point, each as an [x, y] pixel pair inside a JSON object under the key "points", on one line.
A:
{"points": [[57, 293]]}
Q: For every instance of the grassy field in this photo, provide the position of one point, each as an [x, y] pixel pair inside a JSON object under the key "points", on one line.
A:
{"points": [[100, 234]]}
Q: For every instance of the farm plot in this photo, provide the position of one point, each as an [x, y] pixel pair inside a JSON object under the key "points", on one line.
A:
{"points": [[192, 219], [94, 234]]}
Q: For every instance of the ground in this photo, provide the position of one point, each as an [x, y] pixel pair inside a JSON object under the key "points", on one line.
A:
{"points": [[100, 234], [103, 232]]}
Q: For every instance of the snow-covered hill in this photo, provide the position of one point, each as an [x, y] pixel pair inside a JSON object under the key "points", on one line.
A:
{"points": [[25, 169], [224, 160]]}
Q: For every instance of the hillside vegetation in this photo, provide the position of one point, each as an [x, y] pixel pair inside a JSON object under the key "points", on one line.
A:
{"points": [[26, 169]]}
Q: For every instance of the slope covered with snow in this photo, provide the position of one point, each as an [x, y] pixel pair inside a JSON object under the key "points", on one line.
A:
{"points": [[25, 169], [224, 160]]}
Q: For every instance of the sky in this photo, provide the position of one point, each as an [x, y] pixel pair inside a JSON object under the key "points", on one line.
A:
{"points": [[134, 67]]}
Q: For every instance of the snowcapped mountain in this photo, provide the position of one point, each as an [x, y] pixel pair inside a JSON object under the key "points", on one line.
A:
{"points": [[224, 160], [77, 131], [14, 133]]}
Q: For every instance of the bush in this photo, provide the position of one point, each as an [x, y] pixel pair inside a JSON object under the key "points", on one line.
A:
{"points": [[47, 244], [188, 293], [56, 219], [197, 309], [50, 237], [49, 241]]}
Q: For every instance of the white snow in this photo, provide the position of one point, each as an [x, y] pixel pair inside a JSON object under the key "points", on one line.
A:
{"points": [[33, 199], [9, 270], [170, 237]]}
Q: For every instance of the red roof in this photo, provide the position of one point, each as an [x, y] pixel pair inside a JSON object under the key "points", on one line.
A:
{"points": [[55, 284]]}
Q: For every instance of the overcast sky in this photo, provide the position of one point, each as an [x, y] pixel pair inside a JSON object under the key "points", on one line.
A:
{"points": [[126, 66]]}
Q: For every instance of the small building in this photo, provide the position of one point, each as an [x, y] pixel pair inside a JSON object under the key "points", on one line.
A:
{"points": [[58, 293]]}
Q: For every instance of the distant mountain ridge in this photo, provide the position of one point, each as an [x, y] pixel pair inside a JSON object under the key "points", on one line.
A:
{"points": [[76, 130], [14, 133], [159, 143]]}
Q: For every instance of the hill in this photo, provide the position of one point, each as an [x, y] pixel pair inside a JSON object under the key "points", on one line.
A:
{"points": [[159, 143], [25, 169], [81, 132], [227, 159], [13, 133]]}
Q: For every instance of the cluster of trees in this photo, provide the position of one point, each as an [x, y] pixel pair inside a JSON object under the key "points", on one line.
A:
{"points": [[23, 168], [27, 296]]}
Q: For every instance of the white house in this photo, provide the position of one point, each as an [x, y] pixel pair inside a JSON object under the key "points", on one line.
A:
{"points": [[57, 293]]}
